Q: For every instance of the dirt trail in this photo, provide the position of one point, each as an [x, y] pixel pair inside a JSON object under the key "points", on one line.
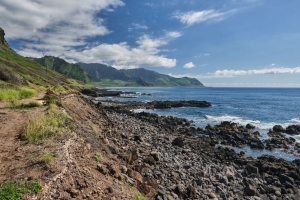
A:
{"points": [[12, 123], [38, 99]]}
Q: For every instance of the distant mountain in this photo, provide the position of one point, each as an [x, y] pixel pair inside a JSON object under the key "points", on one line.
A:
{"points": [[110, 76], [59, 65], [158, 79]]}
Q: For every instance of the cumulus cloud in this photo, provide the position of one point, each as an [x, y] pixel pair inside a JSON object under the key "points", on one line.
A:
{"points": [[192, 17], [122, 56], [38, 19], [62, 28], [189, 65]]}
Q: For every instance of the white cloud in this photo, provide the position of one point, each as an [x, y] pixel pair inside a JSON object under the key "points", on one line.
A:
{"points": [[189, 65], [36, 20], [174, 34], [206, 54], [234, 73], [139, 26], [192, 17], [61, 28], [122, 56]]}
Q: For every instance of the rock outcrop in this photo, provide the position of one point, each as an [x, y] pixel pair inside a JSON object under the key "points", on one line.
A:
{"points": [[2, 40]]}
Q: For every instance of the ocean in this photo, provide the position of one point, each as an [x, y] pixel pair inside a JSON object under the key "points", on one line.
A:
{"points": [[262, 107]]}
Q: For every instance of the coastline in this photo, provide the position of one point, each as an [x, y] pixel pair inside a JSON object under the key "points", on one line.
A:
{"points": [[185, 167], [178, 165]]}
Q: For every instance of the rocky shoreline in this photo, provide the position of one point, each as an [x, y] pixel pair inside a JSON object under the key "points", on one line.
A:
{"points": [[168, 158]]}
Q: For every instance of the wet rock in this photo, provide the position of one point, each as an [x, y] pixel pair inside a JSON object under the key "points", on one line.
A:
{"points": [[278, 128], [293, 129], [250, 126]]}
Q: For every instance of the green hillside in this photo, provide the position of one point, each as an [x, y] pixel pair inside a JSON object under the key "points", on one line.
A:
{"points": [[108, 76], [158, 79], [59, 65], [19, 74]]}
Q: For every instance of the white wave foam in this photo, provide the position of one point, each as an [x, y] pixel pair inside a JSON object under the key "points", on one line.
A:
{"points": [[295, 120], [242, 121], [139, 110], [235, 119]]}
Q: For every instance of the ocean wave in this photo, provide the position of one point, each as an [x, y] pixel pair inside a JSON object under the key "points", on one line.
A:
{"points": [[234, 119], [242, 121], [295, 120]]}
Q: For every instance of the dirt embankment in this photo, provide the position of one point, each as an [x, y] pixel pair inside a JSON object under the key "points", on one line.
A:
{"points": [[79, 154]]}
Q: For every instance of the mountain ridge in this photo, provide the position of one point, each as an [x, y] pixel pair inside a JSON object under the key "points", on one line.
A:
{"points": [[61, 66], [101, 73]]}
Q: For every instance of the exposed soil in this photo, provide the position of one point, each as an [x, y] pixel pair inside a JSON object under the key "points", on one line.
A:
{"points": [[75, 172]]}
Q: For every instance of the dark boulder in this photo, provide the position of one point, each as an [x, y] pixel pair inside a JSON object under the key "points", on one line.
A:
{"points": [[179, 141], [278, 128], [293, 129], [250, 126]]}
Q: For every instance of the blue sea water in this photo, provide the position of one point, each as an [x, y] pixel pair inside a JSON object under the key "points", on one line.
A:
{"points": [[262, 107]]}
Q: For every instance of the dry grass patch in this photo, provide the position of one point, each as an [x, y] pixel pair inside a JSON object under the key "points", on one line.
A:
{"points": [[45, 125]]}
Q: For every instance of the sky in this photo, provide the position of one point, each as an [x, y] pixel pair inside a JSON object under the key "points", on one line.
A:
{"points": [[222, 43]]}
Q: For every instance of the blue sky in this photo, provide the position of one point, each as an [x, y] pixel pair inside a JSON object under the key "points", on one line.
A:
{"points": [[227, 43]]}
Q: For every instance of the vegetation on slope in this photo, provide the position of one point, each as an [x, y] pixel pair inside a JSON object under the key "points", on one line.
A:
{"points": [[161, 79], [109, 76], [21, 77], [59, 65]]}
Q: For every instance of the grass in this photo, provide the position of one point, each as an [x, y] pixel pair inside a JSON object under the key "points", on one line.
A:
{"points": [[98, 157], [45, 126], [139, 197], [9, 94], [15, 191], [48, 157], [31, 104]]}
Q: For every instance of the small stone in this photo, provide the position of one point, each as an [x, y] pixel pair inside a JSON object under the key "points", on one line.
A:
{"points": [[278, 193], [212, 195], [250, 190]]}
